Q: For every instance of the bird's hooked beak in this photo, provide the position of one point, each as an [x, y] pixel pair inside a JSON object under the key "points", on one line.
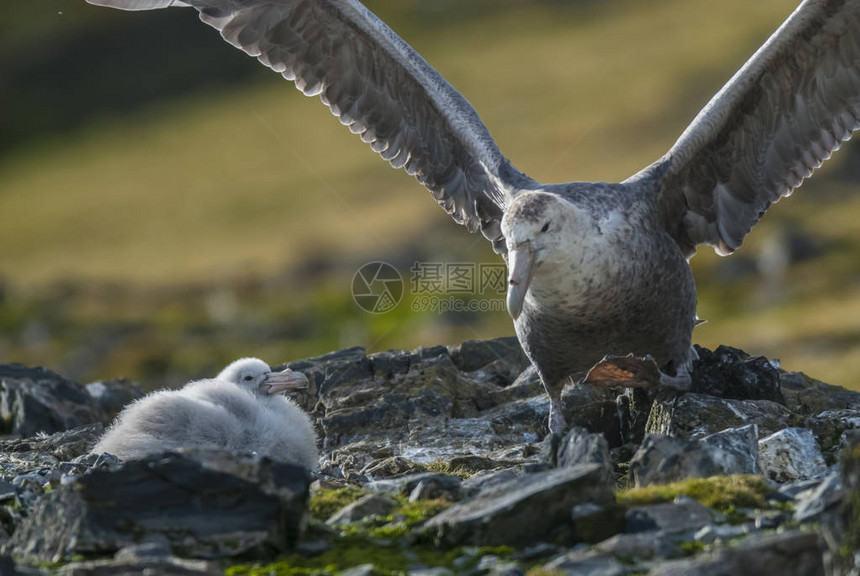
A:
{"points": [[521, 267], [286, 381]]}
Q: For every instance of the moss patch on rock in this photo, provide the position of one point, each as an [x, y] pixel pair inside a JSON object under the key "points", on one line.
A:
{"points": [[723, 493], [393, 543], [324, 503]]}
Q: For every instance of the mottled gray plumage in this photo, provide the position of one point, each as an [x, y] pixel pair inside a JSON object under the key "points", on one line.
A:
{"points": [[595, 268]]}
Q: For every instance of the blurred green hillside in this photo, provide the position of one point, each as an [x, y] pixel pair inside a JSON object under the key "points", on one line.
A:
{"points": [[167, 204]]}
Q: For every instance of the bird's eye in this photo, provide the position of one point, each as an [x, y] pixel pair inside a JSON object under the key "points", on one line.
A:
{"points": [[545, 227], [248, 378]]}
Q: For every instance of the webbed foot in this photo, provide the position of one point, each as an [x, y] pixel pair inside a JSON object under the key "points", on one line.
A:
{"points": [[635, 372]]}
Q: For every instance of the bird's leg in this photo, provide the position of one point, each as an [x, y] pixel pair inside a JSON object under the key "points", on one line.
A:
{"points": [[550, 445], [681, 381], [556, 415]]}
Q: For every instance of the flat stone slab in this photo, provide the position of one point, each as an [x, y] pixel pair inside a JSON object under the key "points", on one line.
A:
{"points": [[671, 517], [526, 510], [792, 553], [207, 504]]}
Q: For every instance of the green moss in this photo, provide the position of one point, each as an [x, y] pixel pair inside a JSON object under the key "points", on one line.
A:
{"points": [[399, 523], [391, 543], [724, 493], [324, 503], [442, 467], [390, 560], [692, 547], [540, 571]]}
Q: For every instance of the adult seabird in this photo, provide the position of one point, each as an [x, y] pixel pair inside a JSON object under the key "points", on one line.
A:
{"points": [[594, 268], [240, 409]]}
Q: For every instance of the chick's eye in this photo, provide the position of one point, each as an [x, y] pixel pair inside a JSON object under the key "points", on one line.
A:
{"points": [[545, 227], [248, 378]]}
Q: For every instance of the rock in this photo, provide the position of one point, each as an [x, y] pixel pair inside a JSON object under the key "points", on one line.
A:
{"points": [[418, 401], [206, 503], [527, 510], [586, 564], [433, 487], [111, 396], [361, 570], [579, 446], [814, 501], [683, 515], [438, 484], [367, 505], [731, 373], [735, 450], [487, 480], [663, 459], [502, 359], [697, 415], [711, 533], [125, 565], [792, 553], [829, 426], [34, 400], [806, 395], [791, 454], [840, 525], [60, 445], [391, 466], [593, 523], [640, 545]]}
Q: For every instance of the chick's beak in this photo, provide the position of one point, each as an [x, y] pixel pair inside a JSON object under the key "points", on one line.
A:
{"points": [[521, 268], [286, 381]]}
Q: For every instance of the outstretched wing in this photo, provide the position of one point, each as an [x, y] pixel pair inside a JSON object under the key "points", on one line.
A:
{"points": [[784, 112], [380, 88]]}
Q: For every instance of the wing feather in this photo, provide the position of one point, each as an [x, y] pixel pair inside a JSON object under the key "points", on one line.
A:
{"points": [[778, 119], [378, 87]]}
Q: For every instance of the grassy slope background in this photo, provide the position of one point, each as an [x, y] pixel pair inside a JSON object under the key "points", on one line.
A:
{"points": [[167, 204]]}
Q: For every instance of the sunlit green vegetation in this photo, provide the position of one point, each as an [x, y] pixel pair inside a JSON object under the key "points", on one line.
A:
{"points": [[165, 241]]}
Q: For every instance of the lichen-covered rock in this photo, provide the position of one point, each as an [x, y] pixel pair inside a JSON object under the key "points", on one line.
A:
{"points": [[34, 400], [791, 454], [663, 459], [530, 509], [208, 504], [697, 415]]}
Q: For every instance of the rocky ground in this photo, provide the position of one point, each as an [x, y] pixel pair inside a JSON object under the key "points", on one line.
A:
{"points": [[433, 464]]}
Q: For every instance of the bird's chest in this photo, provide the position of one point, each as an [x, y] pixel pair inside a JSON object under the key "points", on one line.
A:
{"points": [[595, 279]]}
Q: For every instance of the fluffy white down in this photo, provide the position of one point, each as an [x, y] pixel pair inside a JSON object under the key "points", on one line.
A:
{"points": [[214, 413]]}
